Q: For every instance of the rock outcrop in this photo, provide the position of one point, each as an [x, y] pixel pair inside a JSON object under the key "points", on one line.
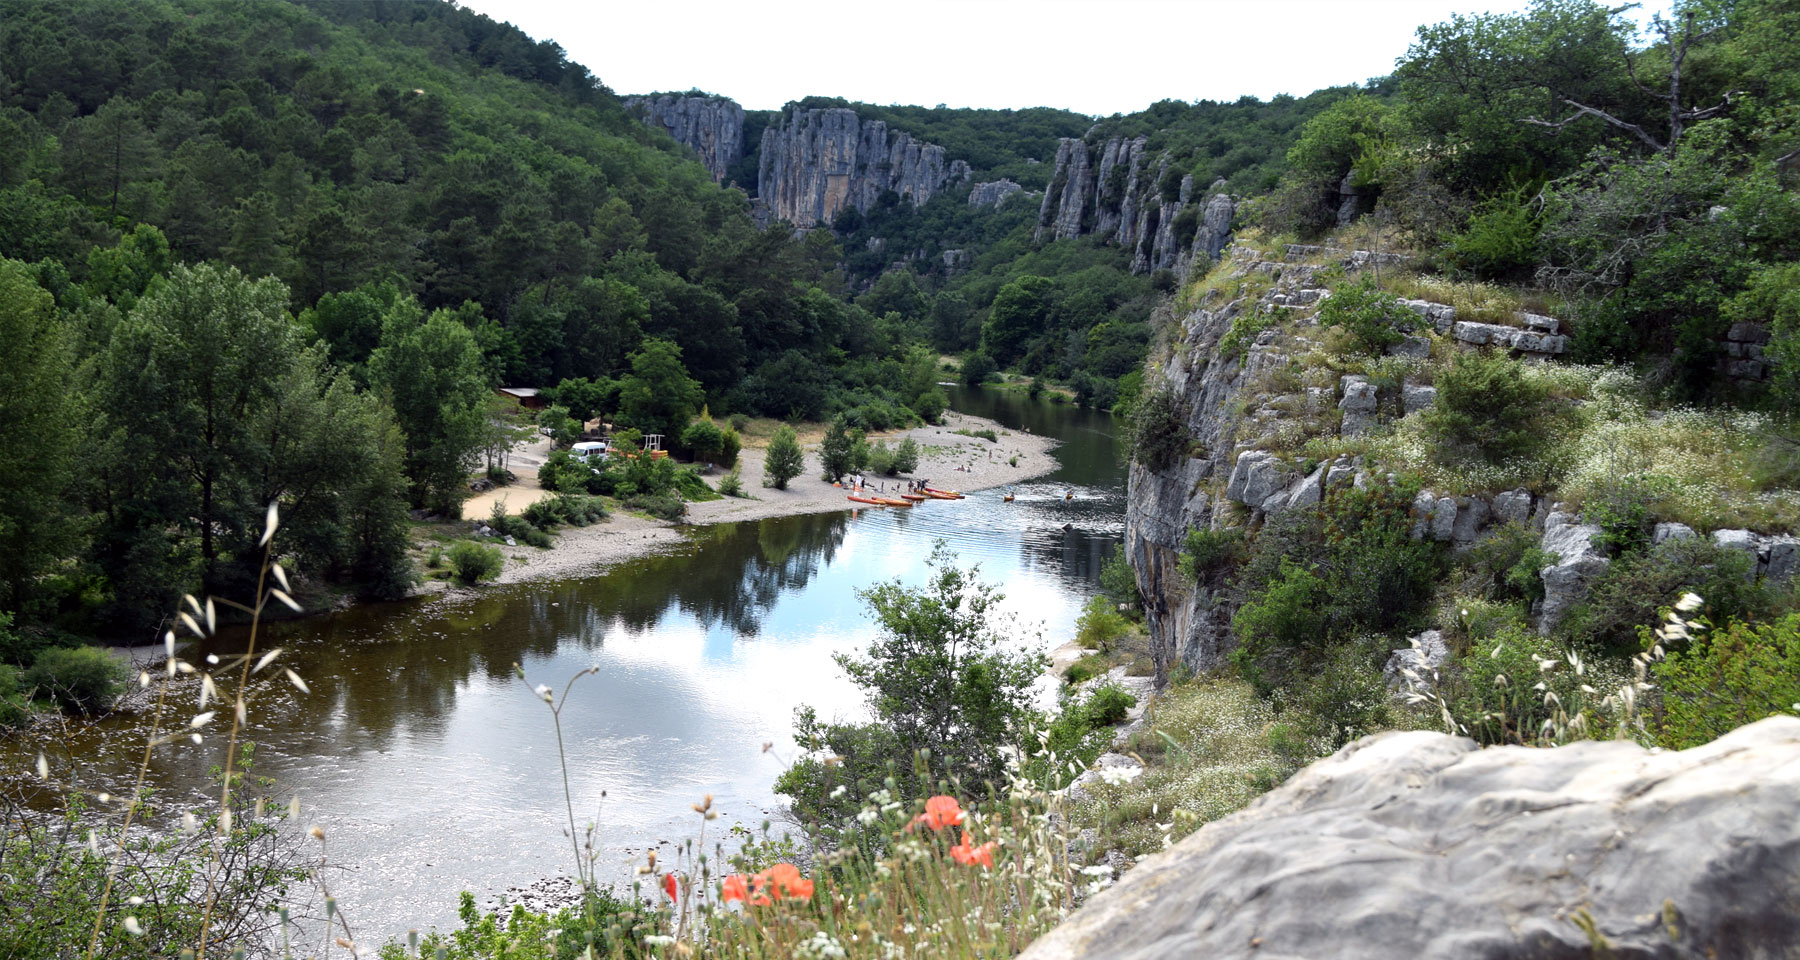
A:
{"points": [[1421, 845], [816, 162], [993, 193], [1120, 191], [713, 127]]}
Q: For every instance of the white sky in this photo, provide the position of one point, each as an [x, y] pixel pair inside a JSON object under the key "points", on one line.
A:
{"points": [[1099, 58]]}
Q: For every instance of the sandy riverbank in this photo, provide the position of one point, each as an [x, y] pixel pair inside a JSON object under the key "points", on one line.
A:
{"points": [[950, 460]]}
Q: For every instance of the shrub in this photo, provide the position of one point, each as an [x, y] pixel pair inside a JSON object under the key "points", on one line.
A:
{"points": [[1244, 329], [740, 422], [784, 461], [1100, 625], [1085, 668], [930, 405], [1504, 564], [881, 459], [1624, 512], [1374, 319], [15, 709], [435, 558], [906, 456], [83, 679], [1109, 705], [705, 439], [1637, 588], [1344, 699], [472, 562], [729, 446], [1503, 694], [1285, 617], [1118, 580], [1487, 409], [977, 366], [1208, 554], [1159, 434], [732, 484], [565, 508], [1501, 238], [661, 506], [1727, 678], [689, 485]]}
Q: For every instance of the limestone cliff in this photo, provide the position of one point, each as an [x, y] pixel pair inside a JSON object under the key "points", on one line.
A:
{"points": [[1116, 191], [1235, 403], [713, 127], [816, 162]]}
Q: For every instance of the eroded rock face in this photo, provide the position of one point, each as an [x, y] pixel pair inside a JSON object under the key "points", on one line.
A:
{"points": [[992, 193], [1420, 845], [814, 163], [1579, 563], [713, 127], [1117, 190]]}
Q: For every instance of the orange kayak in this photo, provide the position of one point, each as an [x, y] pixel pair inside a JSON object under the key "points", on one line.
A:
{"points": [[895, 502], [915, 497], [943, 494], [870, 500]]}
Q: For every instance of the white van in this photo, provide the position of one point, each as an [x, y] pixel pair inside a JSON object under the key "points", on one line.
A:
{"points": [[588, 450]]}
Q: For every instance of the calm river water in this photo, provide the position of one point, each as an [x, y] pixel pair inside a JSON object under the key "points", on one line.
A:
{"points": [[433, 768]]}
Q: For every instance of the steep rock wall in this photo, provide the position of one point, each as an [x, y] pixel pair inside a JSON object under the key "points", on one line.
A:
{"points": [[1114, 191], [814, 163], [713, 127]]}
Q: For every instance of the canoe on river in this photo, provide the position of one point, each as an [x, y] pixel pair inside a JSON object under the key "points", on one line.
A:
{"points": [[943, 494], [868, 500], [895, 501], [915, 497]]}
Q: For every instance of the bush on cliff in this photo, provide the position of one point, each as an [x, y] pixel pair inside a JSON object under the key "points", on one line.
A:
{"points": [[1374, 318], [1727, 678], [1159, 435], [1637, 588], [1487, 409]]}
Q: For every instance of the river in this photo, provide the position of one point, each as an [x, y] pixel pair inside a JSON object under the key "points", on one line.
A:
{"points": [[433, 768]]}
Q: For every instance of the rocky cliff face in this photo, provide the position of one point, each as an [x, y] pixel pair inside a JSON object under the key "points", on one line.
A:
{"points": [[1422, 845], [713, 127], [814, 163], [1115, 192]]}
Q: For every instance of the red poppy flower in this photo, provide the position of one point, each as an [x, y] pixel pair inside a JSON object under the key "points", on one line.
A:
{"points": [[669, 885], [968, 855], [737, 887], [784, 880], [940, 812]]}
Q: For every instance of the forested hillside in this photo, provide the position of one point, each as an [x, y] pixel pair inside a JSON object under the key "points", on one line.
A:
{"points": [[400, 206]]}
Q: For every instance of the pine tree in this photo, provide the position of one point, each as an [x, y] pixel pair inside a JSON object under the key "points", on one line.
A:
{"points": [[785, 461]]}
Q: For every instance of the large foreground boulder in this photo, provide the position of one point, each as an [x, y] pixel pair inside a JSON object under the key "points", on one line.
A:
{"points": [[1420, 845]]}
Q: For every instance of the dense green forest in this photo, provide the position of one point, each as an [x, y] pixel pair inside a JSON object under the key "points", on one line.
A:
{"points": [[398, 206]]}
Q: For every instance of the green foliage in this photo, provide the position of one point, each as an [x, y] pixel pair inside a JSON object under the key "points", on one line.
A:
{"points": [[732, 483], [1637, 588], [471, 562], [658, 396], [15, 706], [429, 369], [1208, 554], [984, 433], [564, 429], [977, 367], [81, 679], [938, 678], [1491, 695], [1772, 296], [572, 509], [835, 454], [1374, 318], [705, 439], [1119, 582], [906, 456], [1344, 699], [1080, 731], [1316, 579], [660, 506], [1243, 331], [1100, 624], [1500, 240], [36, 434], [783, 459], [1488, 409], [1726, 678], [1159, 434]]}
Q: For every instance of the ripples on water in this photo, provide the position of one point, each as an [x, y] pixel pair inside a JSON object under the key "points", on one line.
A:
{"points": [[434, 769]]}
